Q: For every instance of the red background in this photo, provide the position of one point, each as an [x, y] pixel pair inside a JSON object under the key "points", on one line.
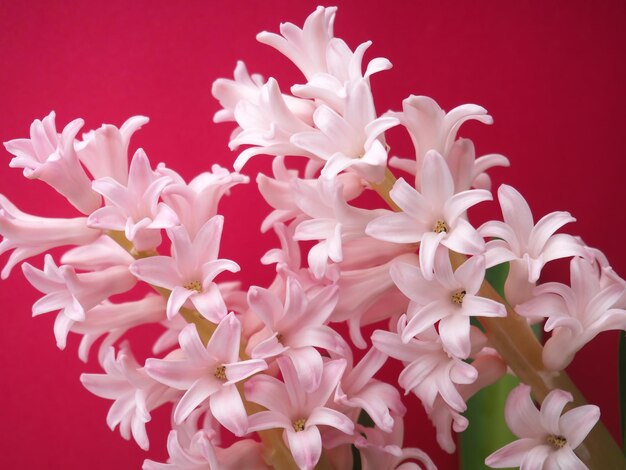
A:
{"points": [[551, 73]]}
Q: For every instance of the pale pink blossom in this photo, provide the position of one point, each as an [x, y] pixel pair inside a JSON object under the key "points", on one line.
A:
{"points": [[295, 327], [429, 370], [469, 171], [383, 450], [359, 390], [526, 245], [351, 140], [74, 294], [369, 295], [490, 368], [209, 372], [102, 253], [247, 87], [50, 157], [267, 126], [575, 314], [344, 68], [29, 235], [450, 299], [134, 392], [332, 221], [200, 453], [433, 217], [134, 208], [280, 192], [190, 272], [296, 411], [104, 151], [431, 128], [547, 439], [305, 47], [113, 320]]}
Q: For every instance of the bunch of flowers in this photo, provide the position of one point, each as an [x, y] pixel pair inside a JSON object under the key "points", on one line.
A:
{"points": [[268, 361]]}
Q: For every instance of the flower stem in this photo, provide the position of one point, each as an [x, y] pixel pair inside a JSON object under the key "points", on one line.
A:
{"points": [[516, 343]]}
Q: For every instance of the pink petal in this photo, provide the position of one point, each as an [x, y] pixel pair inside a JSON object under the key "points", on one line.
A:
{"points": [[192, 346], [521, 414], [428, 248], [268, 420], [480, 306], [197, 393], [308, 364], [545, 228], [471, 274], [437, 184], [305, 446], [551, 410], [578, 422], [176, 374], [224, 343], [458, 204], [396, 227], [409, 200], [464, 238], [424, 318], [516, 212], [329, 417], [176, 300], [268, 392], [158, 270], [238, 371], [455, 335], [227, 408], [265, 304], [564, 458], [210, 303], [512, 454]]}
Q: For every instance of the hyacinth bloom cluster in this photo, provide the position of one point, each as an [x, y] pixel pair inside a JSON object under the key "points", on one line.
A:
{"points": [[269, 360]]}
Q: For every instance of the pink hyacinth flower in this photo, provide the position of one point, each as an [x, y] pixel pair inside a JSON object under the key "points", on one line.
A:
{"points": [[547, 439], [528, 246], [29, 235], [134, 208], [74, 294], [297, 412], [352, 139], [296, 328], [104, 151], [209, 372], [200, 453], [51, 157], [134, 392], [190, 271], [433, 217], [575, 314], [450, 299]]}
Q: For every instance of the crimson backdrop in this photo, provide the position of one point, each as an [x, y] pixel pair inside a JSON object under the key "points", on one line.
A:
{"points": [[551, 73]]}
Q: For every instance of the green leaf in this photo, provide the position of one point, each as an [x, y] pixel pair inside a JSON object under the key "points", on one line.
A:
{"points": [[487, 430], [622, 386]]}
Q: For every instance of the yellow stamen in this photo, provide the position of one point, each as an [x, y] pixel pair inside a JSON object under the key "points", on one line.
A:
{"points": [[558, 442], [194, 285], [440, 226], [298, 424], [457, 297], [220, 373]]}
